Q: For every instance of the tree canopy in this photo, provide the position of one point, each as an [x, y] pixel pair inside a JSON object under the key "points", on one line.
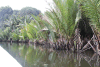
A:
{"points": [[29, 11], [5, 12], [15, 12]]}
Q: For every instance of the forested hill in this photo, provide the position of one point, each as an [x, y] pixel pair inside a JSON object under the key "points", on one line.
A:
{"points": [[6, 12]]}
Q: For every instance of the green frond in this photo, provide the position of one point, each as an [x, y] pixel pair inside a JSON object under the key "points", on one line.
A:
{"points": [[92, 10], [63, 16]]}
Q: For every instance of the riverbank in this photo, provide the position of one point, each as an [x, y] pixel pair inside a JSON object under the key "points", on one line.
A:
{"points": [[76, 44]]}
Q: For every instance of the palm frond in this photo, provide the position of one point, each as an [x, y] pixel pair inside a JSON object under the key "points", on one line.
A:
{"points": [[92, 10], [63, 16]]}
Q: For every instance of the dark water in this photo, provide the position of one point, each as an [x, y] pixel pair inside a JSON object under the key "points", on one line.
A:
{"points": [[32, 56]]}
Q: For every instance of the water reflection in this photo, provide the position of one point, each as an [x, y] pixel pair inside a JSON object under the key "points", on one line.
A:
{"points": [[32, 56]]}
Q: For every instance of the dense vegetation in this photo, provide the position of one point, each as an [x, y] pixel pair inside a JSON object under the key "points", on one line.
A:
{"points": [[6, 13], [29, 11], [57, 25], [12, 21]]}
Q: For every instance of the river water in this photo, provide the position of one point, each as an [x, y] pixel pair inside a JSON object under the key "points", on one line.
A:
{"points": [[36, 56]]}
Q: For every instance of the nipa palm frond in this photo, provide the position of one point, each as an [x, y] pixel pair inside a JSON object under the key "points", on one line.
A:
{"points": [[63, 16]]}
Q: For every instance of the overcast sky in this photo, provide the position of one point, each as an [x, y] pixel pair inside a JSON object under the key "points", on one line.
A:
{"points": [[19, 4]]}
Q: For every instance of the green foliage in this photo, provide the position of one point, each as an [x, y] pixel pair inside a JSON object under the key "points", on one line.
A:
{"points": [[63, 17], [60, 20], [15, 35], [1, 35], [5, 35], [24, 28], [31, 30], [24, 33], [42, 28], [91, 9], [29, 11], [15, 12], [5, 12]]}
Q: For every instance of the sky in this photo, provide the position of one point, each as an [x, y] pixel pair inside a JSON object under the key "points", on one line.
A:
{"points": [[41, 5]]}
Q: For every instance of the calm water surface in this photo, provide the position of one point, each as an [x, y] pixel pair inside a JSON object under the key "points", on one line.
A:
{"points": [[32, 56]]}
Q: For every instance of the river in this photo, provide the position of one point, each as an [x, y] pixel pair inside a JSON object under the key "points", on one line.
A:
{"points": [[36, 56]]}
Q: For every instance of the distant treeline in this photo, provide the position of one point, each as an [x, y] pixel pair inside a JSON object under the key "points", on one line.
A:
{"points": [[6, 12]]}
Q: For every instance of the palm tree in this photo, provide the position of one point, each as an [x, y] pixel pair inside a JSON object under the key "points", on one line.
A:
{"points": [[63, 18], [91, 9]]}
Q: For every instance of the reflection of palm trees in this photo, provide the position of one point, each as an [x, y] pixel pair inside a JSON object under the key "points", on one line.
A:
{"points": [[23, 50], [33, 56], [37, 58], [91, 59]]}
